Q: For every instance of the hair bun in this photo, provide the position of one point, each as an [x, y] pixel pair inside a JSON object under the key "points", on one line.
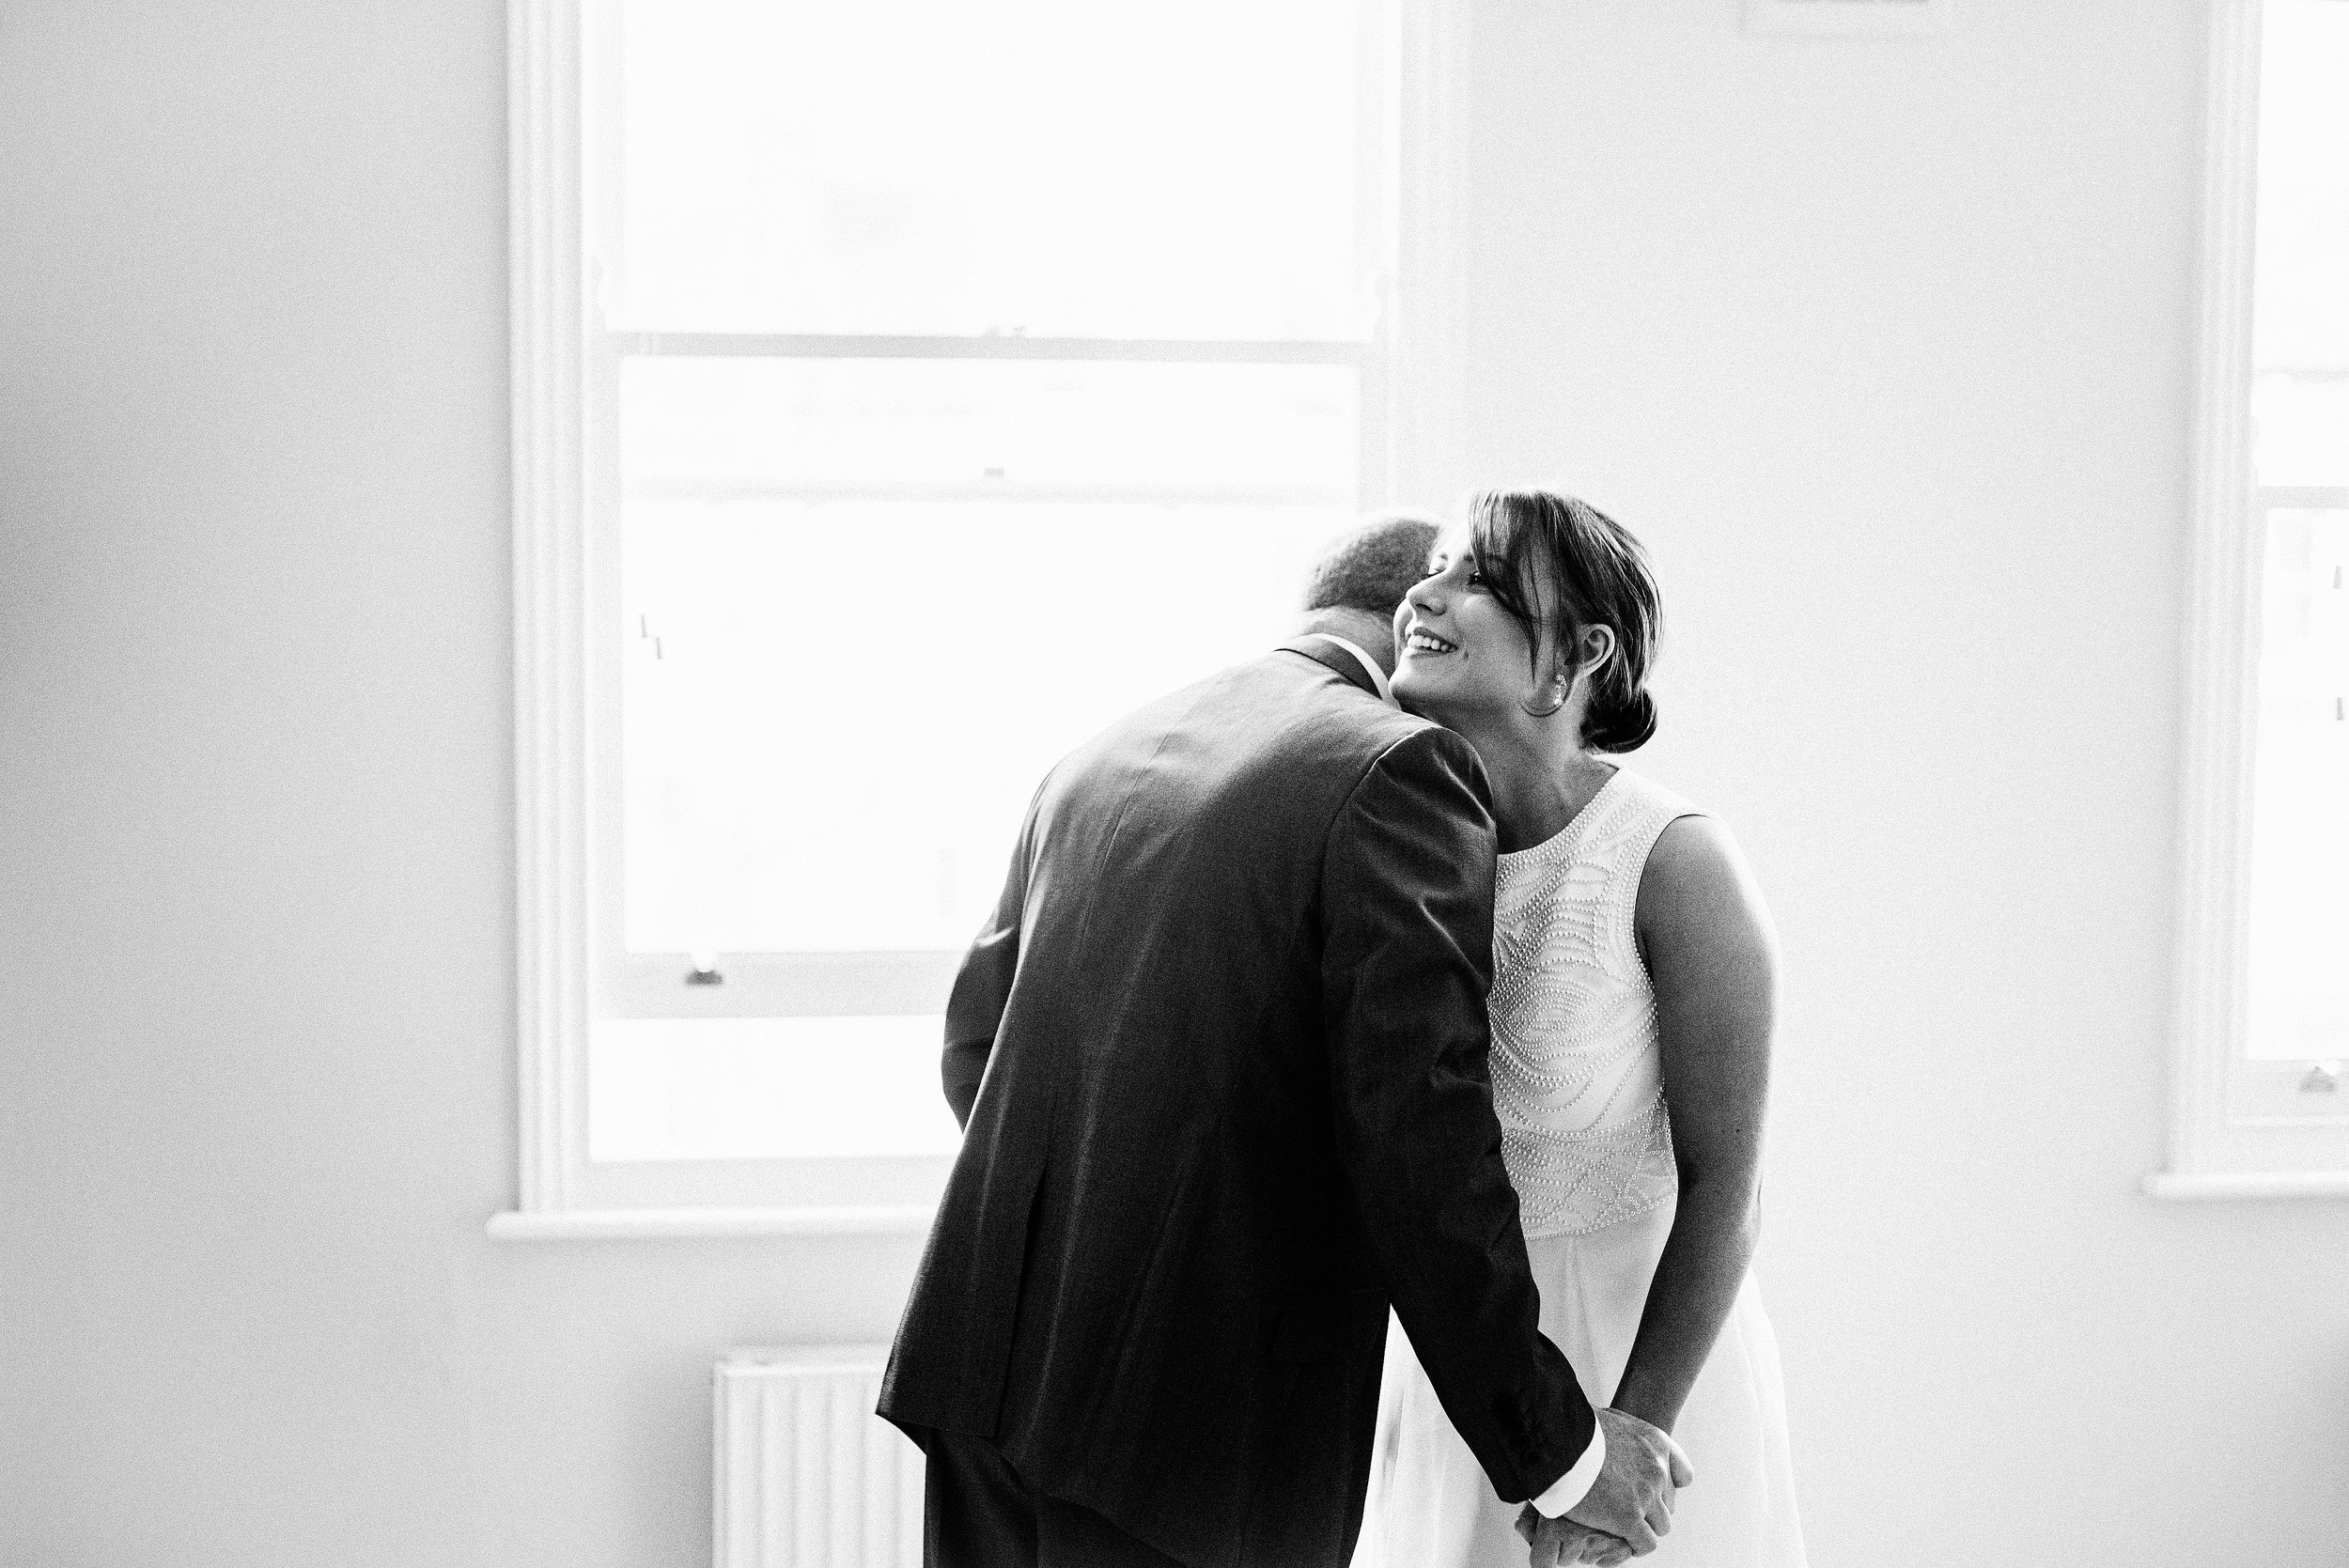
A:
{"points": [[1620, 724]]}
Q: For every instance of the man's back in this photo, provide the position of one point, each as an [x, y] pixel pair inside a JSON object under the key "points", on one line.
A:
{"points": [[1229, 1023]]}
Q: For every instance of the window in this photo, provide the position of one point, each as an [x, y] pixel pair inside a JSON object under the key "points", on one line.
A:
{"points": [[2263, 1061], [903, 391]]}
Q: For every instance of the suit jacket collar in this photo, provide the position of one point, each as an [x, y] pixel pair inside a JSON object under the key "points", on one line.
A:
{"points": [[1323, 651]]}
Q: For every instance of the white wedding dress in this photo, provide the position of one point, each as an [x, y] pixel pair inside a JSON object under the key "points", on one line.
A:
{"points": [[1587, 1140]]}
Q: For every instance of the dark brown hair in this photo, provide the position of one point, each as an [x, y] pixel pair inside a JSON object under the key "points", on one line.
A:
{"points": [[1525, 539]]}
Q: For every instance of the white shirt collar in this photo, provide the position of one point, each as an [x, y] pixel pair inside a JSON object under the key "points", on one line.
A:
{"points": [[1377, 675]]}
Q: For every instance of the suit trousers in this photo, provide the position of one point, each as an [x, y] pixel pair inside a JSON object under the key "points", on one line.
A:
{"points": [[976, 1513]]}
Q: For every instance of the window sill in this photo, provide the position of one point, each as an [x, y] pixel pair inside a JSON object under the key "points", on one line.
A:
{"points": [[633, 1224], [2206, 1186]]}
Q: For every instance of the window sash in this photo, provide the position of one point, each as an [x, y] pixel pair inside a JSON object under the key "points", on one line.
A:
{"points": [[1368, 357], [892, 982], [2285, 1090], [888, 983]]}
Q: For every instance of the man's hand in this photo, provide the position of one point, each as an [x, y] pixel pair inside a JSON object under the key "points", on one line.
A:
{"points": [[1637, 1486], [1562, 1543]]}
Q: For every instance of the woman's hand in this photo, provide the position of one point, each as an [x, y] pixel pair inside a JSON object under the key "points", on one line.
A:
{"points": [[1560, 1542]]}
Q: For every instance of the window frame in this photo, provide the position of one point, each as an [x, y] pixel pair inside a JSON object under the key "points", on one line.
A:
{"points": [[562, 81], [2238, 1128]]}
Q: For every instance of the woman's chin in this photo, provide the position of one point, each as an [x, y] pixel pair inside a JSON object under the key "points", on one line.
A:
{"points": [[1455, 704], [1415, 693]]}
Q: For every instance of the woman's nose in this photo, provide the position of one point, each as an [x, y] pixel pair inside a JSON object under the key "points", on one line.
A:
{"points": [[1422, 595]]}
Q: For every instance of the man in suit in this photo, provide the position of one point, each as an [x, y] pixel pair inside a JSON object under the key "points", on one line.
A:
{"points": [[1220, 1058]]}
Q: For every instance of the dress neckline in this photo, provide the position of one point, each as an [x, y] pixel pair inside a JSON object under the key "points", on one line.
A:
{"points": [[1574, 827]]}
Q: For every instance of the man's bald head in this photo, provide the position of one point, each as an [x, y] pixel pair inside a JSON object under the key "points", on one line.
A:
{"points": [[1371, 567], [1363, 574]]}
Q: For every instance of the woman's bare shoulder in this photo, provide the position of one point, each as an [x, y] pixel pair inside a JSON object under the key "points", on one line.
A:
{"points": [[1699, 886]]}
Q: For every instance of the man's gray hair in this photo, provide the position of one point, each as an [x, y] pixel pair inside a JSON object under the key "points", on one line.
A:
{"points": [[1371, 566]]}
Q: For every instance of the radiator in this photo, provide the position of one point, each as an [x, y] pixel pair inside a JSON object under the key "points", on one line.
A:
{"points": [[807, 1476]]}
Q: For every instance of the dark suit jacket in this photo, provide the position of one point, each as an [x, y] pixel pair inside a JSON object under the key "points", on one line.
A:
{"points": [[1219, 1056]]}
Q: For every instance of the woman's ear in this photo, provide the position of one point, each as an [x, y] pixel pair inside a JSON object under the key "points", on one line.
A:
{"points": [[1593, 649]]}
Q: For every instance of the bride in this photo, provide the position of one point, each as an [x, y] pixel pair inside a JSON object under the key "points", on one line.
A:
{"points": [[1633, 967]]}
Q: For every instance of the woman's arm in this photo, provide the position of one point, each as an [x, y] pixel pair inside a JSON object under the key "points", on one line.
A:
{"points": [[1710, 953]]}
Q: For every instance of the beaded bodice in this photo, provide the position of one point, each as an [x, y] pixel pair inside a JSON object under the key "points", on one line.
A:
{"points": [[1577, 1067]]}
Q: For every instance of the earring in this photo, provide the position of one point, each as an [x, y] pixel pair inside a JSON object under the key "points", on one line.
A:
{"points": [[1546, 712]]}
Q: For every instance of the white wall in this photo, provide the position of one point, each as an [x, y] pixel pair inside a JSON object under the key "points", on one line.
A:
{"points": [[1883, 346]]}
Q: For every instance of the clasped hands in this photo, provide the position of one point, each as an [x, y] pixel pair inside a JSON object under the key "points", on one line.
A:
{"points": [[1627, 1507]]}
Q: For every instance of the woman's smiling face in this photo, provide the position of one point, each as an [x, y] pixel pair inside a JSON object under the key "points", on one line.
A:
{"points": [[1457, 649]]}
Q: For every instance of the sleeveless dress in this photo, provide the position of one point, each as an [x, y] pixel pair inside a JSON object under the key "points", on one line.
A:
{"points": [[1587, 1140]]}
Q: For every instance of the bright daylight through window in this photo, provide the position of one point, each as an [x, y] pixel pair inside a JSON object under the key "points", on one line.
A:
{"points": [[2260, 1067], [2299, 901], [967, 374]]}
